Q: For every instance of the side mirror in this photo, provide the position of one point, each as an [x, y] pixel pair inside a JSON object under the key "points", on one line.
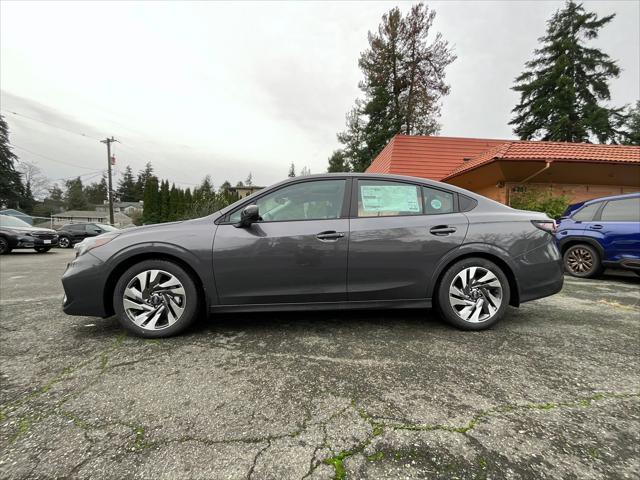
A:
{"points": [[250, 214]]}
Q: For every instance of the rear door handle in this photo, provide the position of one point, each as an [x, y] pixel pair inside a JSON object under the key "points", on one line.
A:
{"points": [[331, 236], [595, 227], [442, 230]]}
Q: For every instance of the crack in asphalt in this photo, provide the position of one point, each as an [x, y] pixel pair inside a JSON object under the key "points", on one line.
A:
{"points": [[337, 461], [140, 442]]}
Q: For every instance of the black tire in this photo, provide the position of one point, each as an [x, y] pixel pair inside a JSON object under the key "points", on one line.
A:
{"points": [[451, 315], [191, 301], [582, 261], [64, 242], [42, 249], [4, 246]]}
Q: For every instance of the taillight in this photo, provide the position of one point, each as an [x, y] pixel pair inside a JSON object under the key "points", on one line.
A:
{"points": [[548, 226]]}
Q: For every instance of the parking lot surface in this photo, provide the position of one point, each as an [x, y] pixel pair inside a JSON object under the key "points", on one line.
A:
{"points": [[551, 392]]}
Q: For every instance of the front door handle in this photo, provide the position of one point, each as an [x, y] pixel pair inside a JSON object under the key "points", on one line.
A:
{"points": [[442, 230], [330, 236], [595, 227]]}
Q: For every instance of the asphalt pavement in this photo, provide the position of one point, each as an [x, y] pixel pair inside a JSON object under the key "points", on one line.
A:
{"points": [[553, 391]]}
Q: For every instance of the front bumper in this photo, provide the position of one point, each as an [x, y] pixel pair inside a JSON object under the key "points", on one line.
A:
{"points": [[84, 283], [29, 241]]}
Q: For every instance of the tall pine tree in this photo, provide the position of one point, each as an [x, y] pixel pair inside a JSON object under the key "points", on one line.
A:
{"points": [[564, 89], [151, 207], [11, 187], [404, 82], [127, 190]]}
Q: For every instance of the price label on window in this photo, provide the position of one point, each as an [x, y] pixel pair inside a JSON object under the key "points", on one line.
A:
{"points": [[389, 198]]}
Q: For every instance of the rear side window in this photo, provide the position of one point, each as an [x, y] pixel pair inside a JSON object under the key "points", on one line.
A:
{"points": [[627, 210], [378, 198], [437, 201], [586, 214]]}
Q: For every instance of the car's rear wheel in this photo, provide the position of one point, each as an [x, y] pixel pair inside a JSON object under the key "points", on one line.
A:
{"points": [[473, 294], [42, 249], [582, 261], [4, 246], [64, 242], [156, 298]]}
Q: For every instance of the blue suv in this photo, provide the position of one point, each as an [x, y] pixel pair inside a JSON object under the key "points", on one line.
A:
{"points": [[601, 233]]}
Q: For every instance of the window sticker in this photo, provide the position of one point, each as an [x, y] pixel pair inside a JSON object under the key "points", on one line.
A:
{"points": [[389, 198], [436, 204]]}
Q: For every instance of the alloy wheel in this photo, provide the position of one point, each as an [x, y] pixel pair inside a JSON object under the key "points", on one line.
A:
{"points": [[64, 242], [4, 245], [475, 294], [579, 260], [154, 299]]}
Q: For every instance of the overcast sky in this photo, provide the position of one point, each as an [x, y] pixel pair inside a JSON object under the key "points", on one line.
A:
{"points": [[231, 88]]}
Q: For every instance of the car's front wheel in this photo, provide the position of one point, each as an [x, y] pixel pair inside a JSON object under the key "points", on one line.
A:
{"points": [[156, 298], [64, 242], [473, 294], [4, 246], [582, 261], [42, 249]]}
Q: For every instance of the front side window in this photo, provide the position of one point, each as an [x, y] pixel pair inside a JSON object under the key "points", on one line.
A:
{"points": [[586, 214], [379, 198], [437, 201], [627, 210], [318, 200]]}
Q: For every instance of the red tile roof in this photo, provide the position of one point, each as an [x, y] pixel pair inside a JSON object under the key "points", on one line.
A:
{"points": [[428, 157], [560, 151]]}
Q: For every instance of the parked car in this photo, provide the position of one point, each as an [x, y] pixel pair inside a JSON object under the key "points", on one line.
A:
{"points": [[600, 233], [16, 233], [73, 233], [333, 241]]}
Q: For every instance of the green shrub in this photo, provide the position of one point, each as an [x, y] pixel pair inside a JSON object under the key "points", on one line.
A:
{"points": [[540, 201]]}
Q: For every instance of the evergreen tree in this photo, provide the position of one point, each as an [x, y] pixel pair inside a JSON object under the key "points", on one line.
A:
{"points": [[27, 202], [143, 176], [11, 187], [165, 208], [630, 134], [292, 171], [127, 189], [56, 193], [187, 201], [249, 181], [337, 162], [403, 86], [96, 193], [151, 210], [564, 88], [74, 197]]}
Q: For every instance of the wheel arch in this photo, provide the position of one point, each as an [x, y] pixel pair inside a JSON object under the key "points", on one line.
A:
{"points": [[129, 261], [571, 241], [496, 258]]}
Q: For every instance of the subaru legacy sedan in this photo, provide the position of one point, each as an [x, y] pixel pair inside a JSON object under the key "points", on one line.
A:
{"points": [[334, 241]]}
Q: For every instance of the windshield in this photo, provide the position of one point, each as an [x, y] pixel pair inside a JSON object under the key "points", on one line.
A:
{"points": [[107, 228], [8, 221]]}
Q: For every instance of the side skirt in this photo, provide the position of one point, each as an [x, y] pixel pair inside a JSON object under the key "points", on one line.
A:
{"points": [[355, 305]]}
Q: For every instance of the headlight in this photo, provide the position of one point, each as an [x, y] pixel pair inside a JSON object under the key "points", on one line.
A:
{"points": [[94, 242]]}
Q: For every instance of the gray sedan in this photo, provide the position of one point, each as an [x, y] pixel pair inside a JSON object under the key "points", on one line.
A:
{"points": [[334, 241]]}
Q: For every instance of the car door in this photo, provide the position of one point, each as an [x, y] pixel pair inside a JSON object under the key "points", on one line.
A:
{"points": [[92, 230], [399, 231], [619, 227], [77, 233], [296, 253]]}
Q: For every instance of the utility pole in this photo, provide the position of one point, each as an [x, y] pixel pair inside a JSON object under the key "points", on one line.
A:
{"points": [[108, 141]]}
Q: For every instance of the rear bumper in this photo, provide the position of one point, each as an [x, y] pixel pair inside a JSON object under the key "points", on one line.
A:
{"points": [[540, 272], [84, 282]]}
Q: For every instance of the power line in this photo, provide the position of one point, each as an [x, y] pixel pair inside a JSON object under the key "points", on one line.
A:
{"points": [[52, 159], [51, 124]]}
